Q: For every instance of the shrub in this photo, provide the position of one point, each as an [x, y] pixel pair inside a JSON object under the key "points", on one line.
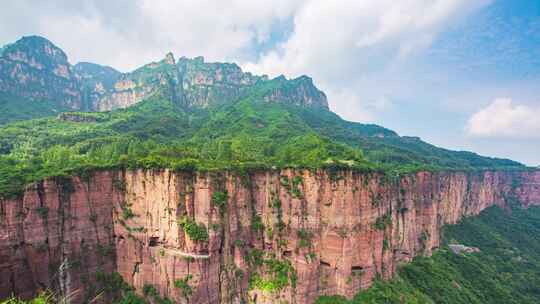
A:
{"points": [[196, 232], [278, 275], [183, 285], [219, 199], [304, 238], [43, 212], [257, 224], [383, 221]]}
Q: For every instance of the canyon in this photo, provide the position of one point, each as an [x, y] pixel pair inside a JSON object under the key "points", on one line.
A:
{"points": [[268, 236]]}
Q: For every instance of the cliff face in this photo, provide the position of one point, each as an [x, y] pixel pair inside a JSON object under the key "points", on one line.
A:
{"points": [[266, 236], [35, 69]]}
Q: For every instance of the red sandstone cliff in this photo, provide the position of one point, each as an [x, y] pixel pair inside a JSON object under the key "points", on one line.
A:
{"points": [[325, 233]]}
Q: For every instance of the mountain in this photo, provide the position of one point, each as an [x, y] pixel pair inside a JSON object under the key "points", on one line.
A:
{"points": [[500, 266], [194, 182], [35, 80], [250, 133], [37, 73]]}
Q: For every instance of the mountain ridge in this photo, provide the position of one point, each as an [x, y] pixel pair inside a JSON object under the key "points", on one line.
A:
{"points": [[193, 115], [34, 68], [191, 83]]}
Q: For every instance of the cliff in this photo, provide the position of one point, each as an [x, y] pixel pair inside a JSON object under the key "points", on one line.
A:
{"points": [[269, 236]]}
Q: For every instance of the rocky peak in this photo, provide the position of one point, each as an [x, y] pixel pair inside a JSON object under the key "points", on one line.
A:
{"points": [[210, 83], [34, 68], [35, 51], [299, 91], [94, 80], [169, 58], [219, 72], [87, 70], [199, 59]]}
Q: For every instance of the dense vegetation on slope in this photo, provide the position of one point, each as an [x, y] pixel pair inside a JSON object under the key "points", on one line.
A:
{"points": [[506, 271], [14, 108], [159, 134], [248, 133], [193, 115], [389, 151]]}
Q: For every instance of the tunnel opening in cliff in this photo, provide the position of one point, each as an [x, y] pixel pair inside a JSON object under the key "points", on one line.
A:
{"points": [[325, 264], [153, 241]]}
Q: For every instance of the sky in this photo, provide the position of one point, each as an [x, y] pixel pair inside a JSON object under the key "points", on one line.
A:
{"points": [[460, 74]]}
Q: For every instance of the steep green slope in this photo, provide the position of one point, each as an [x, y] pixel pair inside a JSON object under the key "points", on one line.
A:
{"points": [[506, 270], [387, 150], [13, 108], [248, 133], [158, 134]]}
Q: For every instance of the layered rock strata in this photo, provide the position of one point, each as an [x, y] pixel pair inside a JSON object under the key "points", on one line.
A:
{"points": [[267, 237]]}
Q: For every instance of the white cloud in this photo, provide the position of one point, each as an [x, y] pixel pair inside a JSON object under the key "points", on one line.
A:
{"points": [[358, 108], [334, 38], [126, 34], [362, 47], [503, 118]]}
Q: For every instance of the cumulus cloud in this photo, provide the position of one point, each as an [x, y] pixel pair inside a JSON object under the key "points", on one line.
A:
{"points": [[335, 38], [361, 46], [504, 118], [126, 34], [359, 108]]}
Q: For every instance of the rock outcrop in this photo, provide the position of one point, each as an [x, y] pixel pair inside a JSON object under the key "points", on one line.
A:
{"points": [[266, 236], [459, 249]]}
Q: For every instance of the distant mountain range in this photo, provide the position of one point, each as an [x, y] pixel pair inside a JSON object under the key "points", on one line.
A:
{"points": [[33, 68], [210, 115]]}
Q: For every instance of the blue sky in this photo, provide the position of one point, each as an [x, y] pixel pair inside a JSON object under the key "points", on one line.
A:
{"points": [[461, 74], [494, 53]]}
